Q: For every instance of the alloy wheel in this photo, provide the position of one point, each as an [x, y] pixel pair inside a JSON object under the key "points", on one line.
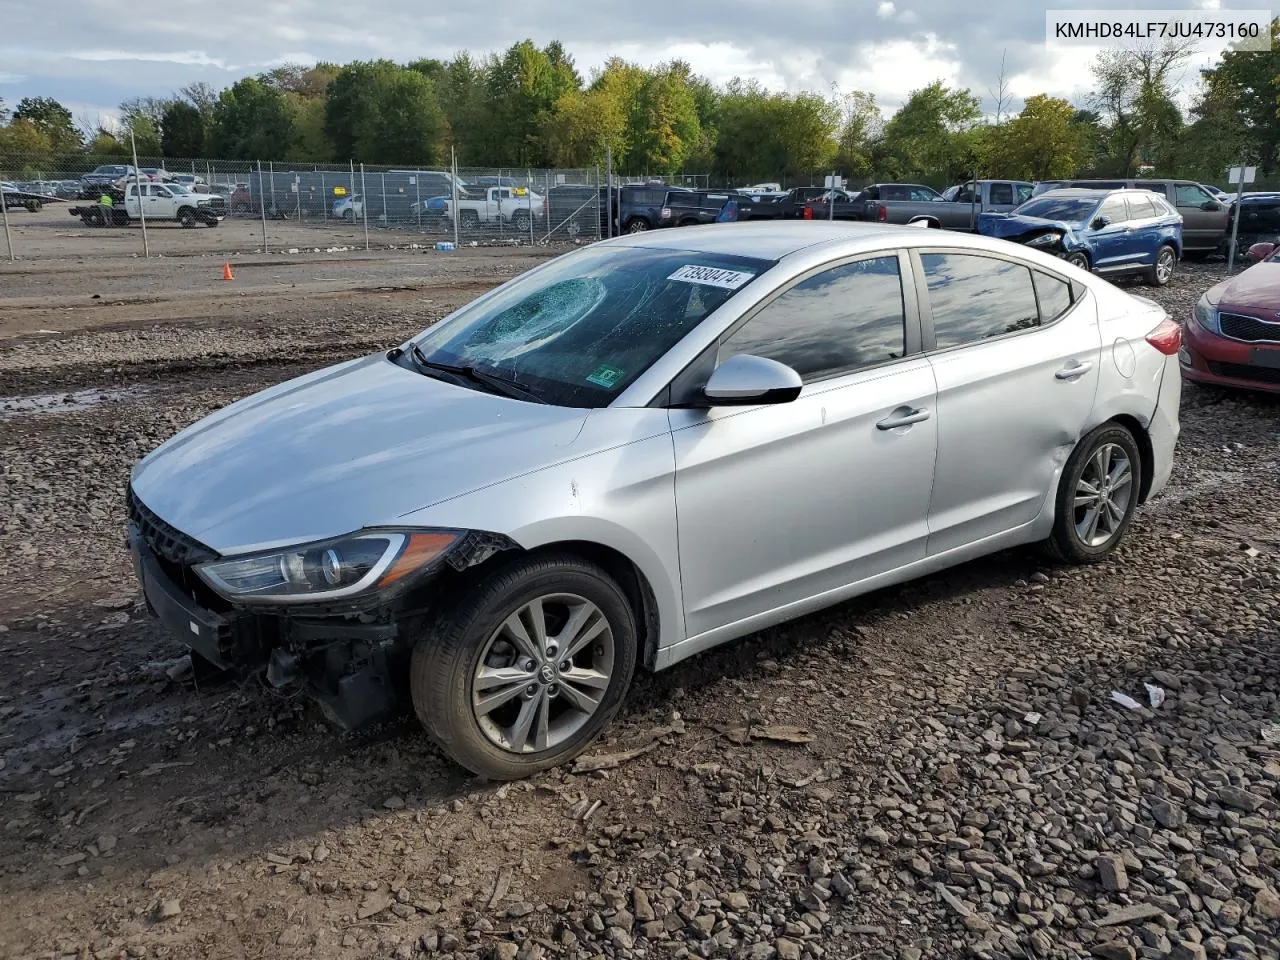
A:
{"points": [[1103, 494], [1164, 265], [543, 673]]}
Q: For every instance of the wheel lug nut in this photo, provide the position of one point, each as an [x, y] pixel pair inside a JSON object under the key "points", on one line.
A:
{"points": [[552, 649], [553, 690], [566, 666], [527, 666], [531, 691]]}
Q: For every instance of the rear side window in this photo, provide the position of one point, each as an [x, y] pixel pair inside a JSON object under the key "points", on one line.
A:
{"points": [[836, 321], [1141, 208], [1054, 296], [975, 298], [1002, 193], [1114, 210], [1153, 186]]}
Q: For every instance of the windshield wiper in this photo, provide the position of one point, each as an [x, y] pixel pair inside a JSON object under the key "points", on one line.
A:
{"points": [[493, 382]]}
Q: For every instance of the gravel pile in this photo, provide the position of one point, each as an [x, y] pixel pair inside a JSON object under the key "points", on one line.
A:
{"points": [[1006, 760]]}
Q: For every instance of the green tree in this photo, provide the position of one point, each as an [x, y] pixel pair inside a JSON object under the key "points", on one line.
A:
{"points": [[53, 120], [107, 144], [665, 126], [861, 128], [182, 130], [203, 97], [461, 94], [252, 122], [310, 142], [24, 137], [1237, 112], [1040, 143], [1132, 94], [765, 134], [4, 112], [378, 112], [932, 137], [522, 88]]}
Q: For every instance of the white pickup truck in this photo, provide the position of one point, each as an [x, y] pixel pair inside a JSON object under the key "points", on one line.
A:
{"points": [[513, 206], [173, 201]]}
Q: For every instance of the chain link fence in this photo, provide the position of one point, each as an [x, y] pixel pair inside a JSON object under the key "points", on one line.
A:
{"points": [[381, 205]]}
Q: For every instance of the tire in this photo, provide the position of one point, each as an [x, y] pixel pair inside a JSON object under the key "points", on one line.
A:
{"points": [[1080, 259], [1161, 272], [33, 206], [1105, 445], [520, 221], [95, 218], [348, 215], [187, 217], [212, 223], [458, 642], [468, 220], [637, 225]]}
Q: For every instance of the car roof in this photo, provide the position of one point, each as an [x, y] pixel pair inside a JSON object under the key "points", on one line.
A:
{"points": [[776, 239], [1084, 193]]}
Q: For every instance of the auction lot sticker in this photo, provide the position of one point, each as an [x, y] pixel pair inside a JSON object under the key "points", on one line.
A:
{"points": [[711, 276]]}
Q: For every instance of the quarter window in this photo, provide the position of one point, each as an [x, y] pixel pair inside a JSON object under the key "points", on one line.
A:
{"points": [[1054, 296], [1025, 192], [975, 298], [1152, 186], [842, 319]]}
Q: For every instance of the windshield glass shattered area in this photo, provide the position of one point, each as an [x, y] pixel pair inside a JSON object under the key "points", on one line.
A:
{"points": [[582, 329], [1068, 210]]}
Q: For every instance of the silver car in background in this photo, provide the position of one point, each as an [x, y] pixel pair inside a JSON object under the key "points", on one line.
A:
{"points": [[643, 449]]}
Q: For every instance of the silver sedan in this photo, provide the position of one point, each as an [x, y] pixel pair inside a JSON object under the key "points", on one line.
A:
{"points": [[644, 449]]}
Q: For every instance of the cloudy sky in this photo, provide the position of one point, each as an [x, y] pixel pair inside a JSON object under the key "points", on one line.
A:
{"points": [[91, 55]]}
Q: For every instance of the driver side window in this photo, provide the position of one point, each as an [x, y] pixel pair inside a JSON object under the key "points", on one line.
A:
{"points": [[837, 321]]}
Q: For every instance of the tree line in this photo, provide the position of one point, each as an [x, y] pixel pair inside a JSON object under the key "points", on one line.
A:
{"points": [[530, 107]]}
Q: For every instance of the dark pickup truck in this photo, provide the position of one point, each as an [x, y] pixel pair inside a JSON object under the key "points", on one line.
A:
{"points": [[907, 203], [687, 208]]}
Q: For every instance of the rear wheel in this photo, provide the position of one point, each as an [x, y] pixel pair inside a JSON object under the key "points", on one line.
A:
{"points": [[1161, 272], [1097, 496], [520, 221], [527, 669], [637, 225], [468, 219]]}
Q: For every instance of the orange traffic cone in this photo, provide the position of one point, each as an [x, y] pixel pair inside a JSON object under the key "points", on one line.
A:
{"points": [[226, 272]]}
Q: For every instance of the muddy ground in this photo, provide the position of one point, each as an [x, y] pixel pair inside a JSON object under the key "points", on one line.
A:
{"points": [[932, 771]]}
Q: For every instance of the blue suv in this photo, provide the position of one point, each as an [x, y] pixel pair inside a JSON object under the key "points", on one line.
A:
{"points": [[1110, 232]]}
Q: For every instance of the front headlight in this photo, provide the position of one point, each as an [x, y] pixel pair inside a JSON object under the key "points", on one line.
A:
{"points": [[1044, 240], [1206, 314], [328, 570]]}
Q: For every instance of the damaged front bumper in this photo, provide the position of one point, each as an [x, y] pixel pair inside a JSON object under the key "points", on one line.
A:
{"points": [[351, 656]]}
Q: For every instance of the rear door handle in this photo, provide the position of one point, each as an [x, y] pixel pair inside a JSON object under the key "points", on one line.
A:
{"points": [[1074, 370], [903, 417]]}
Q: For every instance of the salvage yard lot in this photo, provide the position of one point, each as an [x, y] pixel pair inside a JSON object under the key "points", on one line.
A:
{"points": [[932, 771]]}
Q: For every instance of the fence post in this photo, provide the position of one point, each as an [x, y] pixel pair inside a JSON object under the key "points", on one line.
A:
{"points": [[324, 199], [271, 172], [453, 184], [386, 221], [8, 240], [502, 227], [417, 195], [529, 176], [364, 206], [597, 230], [608, 196], [262, 204], [137, 181]]}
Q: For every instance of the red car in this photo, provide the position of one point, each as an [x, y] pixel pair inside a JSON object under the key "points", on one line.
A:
{"points": [[1233, 336]]}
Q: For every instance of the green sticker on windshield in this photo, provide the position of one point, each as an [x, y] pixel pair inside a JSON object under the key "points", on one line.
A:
{"points": [[605, 376]]}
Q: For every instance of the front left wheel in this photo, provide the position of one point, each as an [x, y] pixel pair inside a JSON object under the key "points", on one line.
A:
{"points": [[527, 669]]}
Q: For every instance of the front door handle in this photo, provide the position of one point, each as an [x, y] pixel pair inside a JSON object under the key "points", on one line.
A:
{"points": [[1074, 370], [903, 417]]}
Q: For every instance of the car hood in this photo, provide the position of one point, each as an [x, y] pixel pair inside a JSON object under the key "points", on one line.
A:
{"points": [[355, 445], [1012, 224], [1256, 291]]}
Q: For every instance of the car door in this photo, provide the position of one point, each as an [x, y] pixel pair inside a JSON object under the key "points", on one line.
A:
{"points": [[162, 205], [1144, 230], [777, 504], [1202, 229], [1016, 363], [1112, 243]]}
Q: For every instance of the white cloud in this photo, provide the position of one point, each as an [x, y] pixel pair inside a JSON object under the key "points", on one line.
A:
{"points": [[186, 57], [885, 9]]}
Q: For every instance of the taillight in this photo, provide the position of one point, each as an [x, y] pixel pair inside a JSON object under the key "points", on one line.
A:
{"points": [[882, 213], [666, 213], [1167, 337], [808, 214]]}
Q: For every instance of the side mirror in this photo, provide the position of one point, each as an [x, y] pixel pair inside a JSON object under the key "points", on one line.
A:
{"points": [[1100, 222], [1211, 205], [1260, 251], [746, 380]]}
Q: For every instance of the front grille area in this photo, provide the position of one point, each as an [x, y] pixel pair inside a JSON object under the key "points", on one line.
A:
{"points": [[1240, 371], [1249, 329], [166, 542]]}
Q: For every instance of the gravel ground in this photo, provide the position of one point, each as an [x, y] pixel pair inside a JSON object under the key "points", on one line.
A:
{"points": [[936, 770]]}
